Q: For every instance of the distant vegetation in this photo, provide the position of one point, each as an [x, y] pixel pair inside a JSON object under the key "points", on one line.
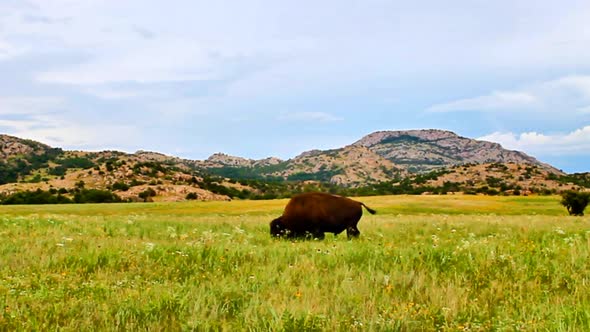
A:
{"points": [[109, 174], [76, 162], [57, 197], [14, 168], [580, 179], [250, 173], [256, 186]]}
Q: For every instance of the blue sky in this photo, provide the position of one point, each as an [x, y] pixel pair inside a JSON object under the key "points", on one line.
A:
{"points": [[276, 78]]}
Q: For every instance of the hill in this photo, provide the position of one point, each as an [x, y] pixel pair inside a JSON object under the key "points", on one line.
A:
{"points": [[386, 162], [351, 166], [28, 165], [427, 150], [378, 157]]}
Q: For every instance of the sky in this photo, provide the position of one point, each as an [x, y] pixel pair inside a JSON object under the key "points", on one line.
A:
{"points": [[264, 78]]}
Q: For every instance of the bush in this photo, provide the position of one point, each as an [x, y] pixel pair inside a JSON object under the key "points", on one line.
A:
{"points": [[76, 162], [58, 171], [191, 196], [575, 202], [120, 186], [146, 194], [35, 197], [96, 196]]}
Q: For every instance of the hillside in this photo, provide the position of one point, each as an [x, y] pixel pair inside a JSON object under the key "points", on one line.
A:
{"points": [[28, 165], [378, 157], [387, 162], [501, 178], [351, 166], [427, 150]]}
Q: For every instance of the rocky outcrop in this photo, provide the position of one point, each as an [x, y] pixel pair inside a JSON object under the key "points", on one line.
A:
{"points": [[426, 150], [351, 166], [11, 146], [382, 156]]}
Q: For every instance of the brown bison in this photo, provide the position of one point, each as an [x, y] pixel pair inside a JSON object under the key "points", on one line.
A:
{"points": [[313, 214]]}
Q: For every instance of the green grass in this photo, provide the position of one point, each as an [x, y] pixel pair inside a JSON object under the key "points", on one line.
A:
{"points": [[422, 263]]}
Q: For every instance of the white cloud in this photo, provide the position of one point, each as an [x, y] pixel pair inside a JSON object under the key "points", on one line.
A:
{"points": [[112, 93], [45, 119], [17, 125], [67, 134], [308, 117], [568, 94], [576, 142], [118, 41], [90, 137], [495, 101], [9, 51], [578, 84], [147, 62], [29, 105]]}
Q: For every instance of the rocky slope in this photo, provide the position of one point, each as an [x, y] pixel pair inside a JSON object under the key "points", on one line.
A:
{"points": [[29, 165], [378, 158], [353, 166], [225, 160], [11, 147], [426, 150], [506, 178]]}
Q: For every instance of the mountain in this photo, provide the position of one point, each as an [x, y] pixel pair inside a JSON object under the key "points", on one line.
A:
{"points": [[349, 166], [385, 162], [377, 157], [28, 165], [223, 160], [13, 147], [427, 150]]}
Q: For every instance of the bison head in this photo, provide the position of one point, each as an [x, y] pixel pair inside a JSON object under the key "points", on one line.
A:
{"points": [[277, 229]]}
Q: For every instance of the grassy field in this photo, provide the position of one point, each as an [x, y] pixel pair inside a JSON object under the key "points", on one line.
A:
{"points": [[450, 263]]}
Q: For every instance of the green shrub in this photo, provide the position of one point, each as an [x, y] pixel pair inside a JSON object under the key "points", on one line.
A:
{"points": [[36, 197], [58, 170], [76, 162], [96, 196], [575, 202], [146, 194], [120, 186]]}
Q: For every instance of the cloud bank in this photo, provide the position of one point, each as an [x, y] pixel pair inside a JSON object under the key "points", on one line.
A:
{"points": [[576, 142], [566, 94]]}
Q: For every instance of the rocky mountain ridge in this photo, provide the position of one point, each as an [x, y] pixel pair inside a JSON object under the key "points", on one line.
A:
{"points": [[426, 150], [380, 160], [11, 146], [381, 156]]}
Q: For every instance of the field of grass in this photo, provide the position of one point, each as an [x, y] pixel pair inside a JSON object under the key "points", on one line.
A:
{"points": [[451, 263]]}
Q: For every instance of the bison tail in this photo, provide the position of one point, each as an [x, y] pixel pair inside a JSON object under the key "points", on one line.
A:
{"points": [[371, 211]]}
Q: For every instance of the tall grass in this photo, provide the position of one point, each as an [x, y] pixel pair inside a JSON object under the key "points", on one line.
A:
{"points": [[422, 263]]}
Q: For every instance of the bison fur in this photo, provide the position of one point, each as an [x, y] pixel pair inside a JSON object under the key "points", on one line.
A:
{"points": [[313, 214]]}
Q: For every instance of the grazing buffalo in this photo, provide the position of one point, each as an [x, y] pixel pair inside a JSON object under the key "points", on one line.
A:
{"points": [[316, 213]]}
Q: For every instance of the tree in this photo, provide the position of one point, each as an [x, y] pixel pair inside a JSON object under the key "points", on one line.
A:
{"points": [[96, 196], [146, 194], [575, 202], [120, 186], [191, 196]]}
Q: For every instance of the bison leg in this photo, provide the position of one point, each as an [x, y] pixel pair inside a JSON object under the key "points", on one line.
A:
{"points": [[294, 235], [318, 235], [352, 232], [313, 235]]}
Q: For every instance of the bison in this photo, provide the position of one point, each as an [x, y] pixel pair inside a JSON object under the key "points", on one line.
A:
{"points": [[316, 213]]}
